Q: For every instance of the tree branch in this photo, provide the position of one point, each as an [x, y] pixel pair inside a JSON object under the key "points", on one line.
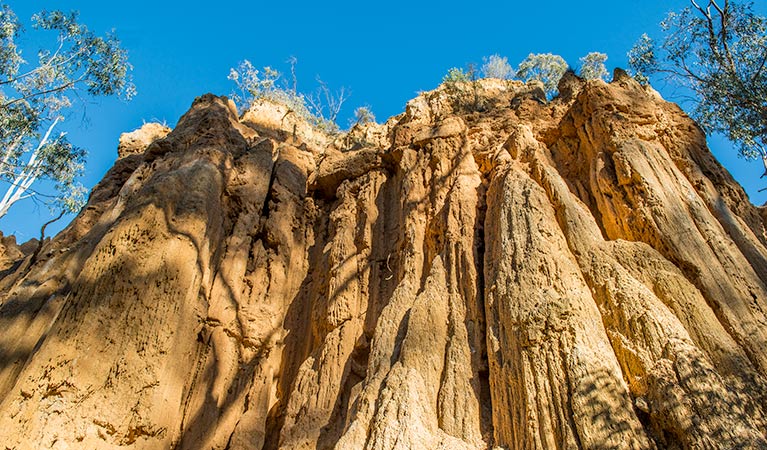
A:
{"points": [[60, 88], [723, 17], [764, 161], [37, 69], [40, 243]]}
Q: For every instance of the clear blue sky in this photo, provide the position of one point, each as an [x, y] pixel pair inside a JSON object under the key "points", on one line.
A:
{"points": [[384, 53]]}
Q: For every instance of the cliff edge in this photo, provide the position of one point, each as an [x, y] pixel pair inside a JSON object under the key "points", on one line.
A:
{"points": [[485, 270]]}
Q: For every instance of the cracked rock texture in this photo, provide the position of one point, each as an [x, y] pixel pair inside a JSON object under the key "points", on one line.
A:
{"points": [[485, 270]]}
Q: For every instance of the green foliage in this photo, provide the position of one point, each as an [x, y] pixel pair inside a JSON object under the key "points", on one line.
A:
{"points": [[34, 97], [10, 57], [593, 67], [456, 75], [254, 84], [544, 67], [496, 66], [320, 108], [464, 88], [363, 115], [642, 58], [717, 52]]}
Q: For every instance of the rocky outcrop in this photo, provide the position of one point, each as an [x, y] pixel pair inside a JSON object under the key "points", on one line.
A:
{"points": [[138, 140], [11, 252], [485, 270]]}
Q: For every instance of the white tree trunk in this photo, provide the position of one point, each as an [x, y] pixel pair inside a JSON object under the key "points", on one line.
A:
{"points": [[23, 181]]}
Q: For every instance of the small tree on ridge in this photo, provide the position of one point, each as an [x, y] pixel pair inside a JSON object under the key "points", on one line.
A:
{"points": [[593, 67], [496, 66], [544, 67]]}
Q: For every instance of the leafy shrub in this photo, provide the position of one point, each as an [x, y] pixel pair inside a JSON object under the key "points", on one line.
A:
{"points": [[642, 58], [544, 67], [320, 108], [364, 115], [496, 66], [455, 75], [593, 67], [254, 84]]}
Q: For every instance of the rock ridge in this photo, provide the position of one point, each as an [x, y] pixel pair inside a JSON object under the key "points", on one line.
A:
{"points": [[485, 270]]}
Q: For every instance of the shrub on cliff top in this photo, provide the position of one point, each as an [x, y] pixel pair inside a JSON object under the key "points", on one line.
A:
{"points": [[544, 67], [320, 108], [254, 84], [496, 66], [593, 67], [363, 115], [455, 75]]}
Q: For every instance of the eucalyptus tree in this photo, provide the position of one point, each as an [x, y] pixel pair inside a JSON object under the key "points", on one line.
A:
{"points": [[717, 50], [36, 94]]}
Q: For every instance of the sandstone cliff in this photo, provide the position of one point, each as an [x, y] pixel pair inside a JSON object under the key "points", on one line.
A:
{"points": [[485, 270]]}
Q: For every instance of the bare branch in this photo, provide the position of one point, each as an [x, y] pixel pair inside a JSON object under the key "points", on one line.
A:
{"points": [[325, 103], [716, 6], [41, 242], [293, 61], [60, 88]]}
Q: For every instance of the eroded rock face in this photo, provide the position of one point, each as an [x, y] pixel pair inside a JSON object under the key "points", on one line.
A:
{"points": [[486, 270], [138, 140]]}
